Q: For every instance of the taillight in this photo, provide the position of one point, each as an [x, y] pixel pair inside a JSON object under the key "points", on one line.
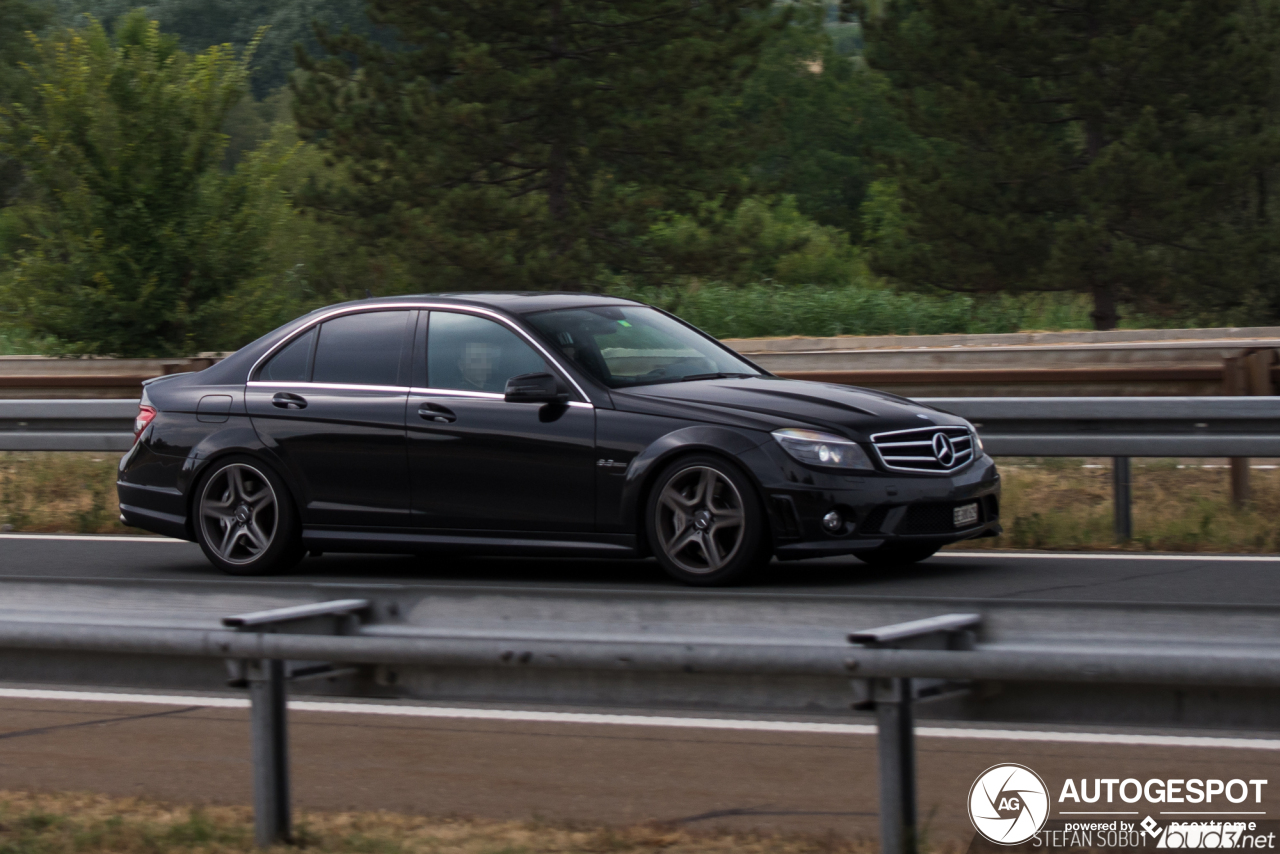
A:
{"points": [[146, 414]]}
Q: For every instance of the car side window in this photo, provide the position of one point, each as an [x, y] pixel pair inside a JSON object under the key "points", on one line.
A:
{"points": [[292, 363], [469, 353], [363, 349]]}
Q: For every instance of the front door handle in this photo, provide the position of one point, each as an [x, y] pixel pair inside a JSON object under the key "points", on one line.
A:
{"points": [[285, 400], [436, 412]]}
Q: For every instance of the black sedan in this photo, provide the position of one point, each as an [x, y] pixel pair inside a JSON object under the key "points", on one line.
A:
{"points": [[520, 424]]}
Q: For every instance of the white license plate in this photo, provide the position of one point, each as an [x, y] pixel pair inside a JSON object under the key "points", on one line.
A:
{"points": [[965, 514]]}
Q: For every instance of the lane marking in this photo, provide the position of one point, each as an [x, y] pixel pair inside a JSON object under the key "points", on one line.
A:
{"points": [[519, 716], [90, 538], [1189, 556], [958, 553]]}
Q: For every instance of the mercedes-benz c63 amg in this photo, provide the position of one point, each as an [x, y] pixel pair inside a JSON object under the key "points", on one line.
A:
{"points": [[525, 424]]}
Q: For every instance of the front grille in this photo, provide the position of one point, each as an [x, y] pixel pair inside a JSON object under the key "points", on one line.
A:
{"points": [[930, 450], [935, 519]]}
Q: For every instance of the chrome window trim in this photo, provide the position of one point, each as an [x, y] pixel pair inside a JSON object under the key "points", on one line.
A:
{"points": [[456, 392], [331, 386], [422, 306], [483, 395], [973, 450]]}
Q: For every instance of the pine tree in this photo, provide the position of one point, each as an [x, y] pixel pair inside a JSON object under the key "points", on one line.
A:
{"points": [[818, 111], [531, 143], [1106, 146]]}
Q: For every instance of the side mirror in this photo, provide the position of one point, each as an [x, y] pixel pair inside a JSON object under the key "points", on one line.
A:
{"points": [[535, 388]]}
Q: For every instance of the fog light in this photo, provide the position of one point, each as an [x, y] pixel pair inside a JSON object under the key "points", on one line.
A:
{"points": [[832, 521]]}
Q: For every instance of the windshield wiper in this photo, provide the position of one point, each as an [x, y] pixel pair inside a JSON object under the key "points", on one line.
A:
{"points": [[718, 375]]}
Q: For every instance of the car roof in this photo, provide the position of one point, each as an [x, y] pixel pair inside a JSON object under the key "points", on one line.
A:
{"points": [[512, 302]]}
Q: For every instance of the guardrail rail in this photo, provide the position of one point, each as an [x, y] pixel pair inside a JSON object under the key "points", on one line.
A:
{"points": [[1116, 427], [892, 668]]}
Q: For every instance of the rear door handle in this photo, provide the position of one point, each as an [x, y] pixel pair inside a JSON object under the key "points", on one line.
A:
{"points": [[436, 412], [285, 400]]}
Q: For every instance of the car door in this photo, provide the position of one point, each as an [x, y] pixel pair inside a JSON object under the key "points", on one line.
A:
{"points": [[331, 406], [479, 462]]}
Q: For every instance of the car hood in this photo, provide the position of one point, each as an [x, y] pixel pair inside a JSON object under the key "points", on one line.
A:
{"points": [[768, 403]]}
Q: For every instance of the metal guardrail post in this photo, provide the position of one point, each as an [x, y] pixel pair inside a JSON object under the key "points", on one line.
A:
{"points": [[893, 700], [1247, 374], [267, 680], [896, 749], [271, 808], [1122, 497], [1235, 381]]}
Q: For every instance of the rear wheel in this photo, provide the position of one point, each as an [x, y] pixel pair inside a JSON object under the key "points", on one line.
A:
{"points": [[897, 554], [244, 519], [705, 523]]}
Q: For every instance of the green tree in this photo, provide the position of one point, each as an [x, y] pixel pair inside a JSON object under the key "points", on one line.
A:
{"points": [[819, 111], [17, 19], [531, 144], [134, 237], [275, 25], [1105, 146], [200, 24]]}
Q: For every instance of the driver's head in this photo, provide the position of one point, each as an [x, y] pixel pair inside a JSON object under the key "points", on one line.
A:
{"points": [[477, 362]]}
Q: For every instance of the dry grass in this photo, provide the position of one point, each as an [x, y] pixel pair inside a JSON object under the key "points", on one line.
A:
{"points": [[59, 492], [65, 823], [1178, 506], [1048, 503]]}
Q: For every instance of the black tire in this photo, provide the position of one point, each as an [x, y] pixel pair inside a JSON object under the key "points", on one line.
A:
{"points": [[897, 554], [704, 522], [244, 518]]}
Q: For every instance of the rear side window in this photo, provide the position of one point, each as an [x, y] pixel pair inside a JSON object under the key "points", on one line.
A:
{"points": [[290, 364], [363, 349]]}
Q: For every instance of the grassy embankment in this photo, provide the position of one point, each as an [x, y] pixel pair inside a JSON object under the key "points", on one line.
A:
{"points": [[1048, 503], [863, 308], [70, 824]]}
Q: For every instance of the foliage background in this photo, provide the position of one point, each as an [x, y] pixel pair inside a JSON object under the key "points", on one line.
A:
{"points": [[814, 225]]}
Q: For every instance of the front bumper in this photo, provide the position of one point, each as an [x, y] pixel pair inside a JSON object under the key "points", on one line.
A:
{"points": [[879, 509]]}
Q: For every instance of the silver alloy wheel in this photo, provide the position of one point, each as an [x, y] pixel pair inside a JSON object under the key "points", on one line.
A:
{"points": [[238, 513], [700, 520]]}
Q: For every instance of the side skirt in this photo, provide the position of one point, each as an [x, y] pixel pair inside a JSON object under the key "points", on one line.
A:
{"points": [[499, 543]]}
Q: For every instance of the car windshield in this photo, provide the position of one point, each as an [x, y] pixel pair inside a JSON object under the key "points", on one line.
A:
{"points": [[628, 346]]}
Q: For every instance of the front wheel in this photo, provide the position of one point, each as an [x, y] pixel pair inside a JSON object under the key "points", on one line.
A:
{"points": [[897, 554], [244, 519], [705, 523]]}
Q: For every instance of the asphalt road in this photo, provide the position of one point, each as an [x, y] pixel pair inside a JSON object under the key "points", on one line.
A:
{"points": [[601, 773], [1084, 577], [812, 781]]}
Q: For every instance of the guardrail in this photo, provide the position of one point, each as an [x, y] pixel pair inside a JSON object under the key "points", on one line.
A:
{"points": [[88, 377], [892, 668], [1122, 363], [1116, 427], [67, 425], [1120, 428], [1009, 426]]}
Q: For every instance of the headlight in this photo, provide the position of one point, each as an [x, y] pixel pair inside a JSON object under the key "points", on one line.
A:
{"points": [[977, 440], [822, 449]]}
